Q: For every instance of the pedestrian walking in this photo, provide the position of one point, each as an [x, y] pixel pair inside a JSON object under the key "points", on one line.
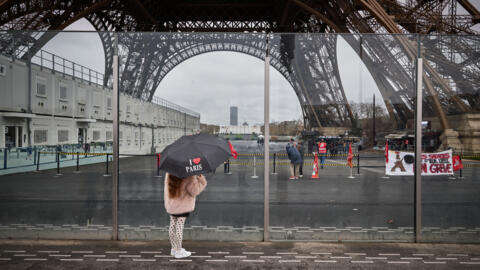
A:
{"points": [[179, 200], [301, 150], [295, 159], [322, 151]]}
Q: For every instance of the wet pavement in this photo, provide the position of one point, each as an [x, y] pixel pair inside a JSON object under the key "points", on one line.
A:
{"points": [[235, 255]]}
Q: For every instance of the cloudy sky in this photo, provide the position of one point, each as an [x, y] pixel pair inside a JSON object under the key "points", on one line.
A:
{"points": [[212, 82]]}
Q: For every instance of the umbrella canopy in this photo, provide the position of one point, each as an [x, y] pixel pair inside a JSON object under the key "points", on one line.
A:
{"points": [[194, 154]]}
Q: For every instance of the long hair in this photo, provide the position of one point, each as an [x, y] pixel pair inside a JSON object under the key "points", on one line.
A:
{"points": [[174, 185]]}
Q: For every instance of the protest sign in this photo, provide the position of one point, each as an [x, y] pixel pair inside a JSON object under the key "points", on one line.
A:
{"points": [[402, 163]]}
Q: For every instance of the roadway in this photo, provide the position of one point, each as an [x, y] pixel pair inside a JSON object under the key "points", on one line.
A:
{"points": [[332, 201]]}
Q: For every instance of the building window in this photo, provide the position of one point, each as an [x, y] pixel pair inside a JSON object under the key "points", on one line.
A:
{"points": [[96, 135], [109, 102], [108, 136], [81, 108], [62, 136], [120, 135], [3, 70], [40, 136], [41, 88], [63, 92]]}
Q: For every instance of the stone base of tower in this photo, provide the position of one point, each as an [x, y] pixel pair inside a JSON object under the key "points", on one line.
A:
{"points": [[450, 139], [332, 131], [464, 134]]}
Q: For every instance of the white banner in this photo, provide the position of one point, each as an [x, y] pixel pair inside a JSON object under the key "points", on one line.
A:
{"points": [[402, 163]]}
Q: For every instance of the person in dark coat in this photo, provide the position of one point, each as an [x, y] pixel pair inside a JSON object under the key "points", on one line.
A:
{"points": [[295, 159]]}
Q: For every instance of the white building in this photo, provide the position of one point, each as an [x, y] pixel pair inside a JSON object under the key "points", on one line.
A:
{"points": [[243, 129], [50, 108]]}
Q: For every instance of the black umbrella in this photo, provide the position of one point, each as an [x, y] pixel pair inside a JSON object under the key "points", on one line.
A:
{"points": [[194, 154]]}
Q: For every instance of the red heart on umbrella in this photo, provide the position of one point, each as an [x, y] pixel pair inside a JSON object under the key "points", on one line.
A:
{"points": [[196, 160]]}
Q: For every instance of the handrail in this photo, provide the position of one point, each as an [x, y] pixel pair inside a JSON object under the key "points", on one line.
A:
{"points": [[57, 63]]}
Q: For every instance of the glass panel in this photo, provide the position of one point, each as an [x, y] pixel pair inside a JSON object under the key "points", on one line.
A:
{"points": [[181, 84], [450, 115], [330, 92], [50, 112]]}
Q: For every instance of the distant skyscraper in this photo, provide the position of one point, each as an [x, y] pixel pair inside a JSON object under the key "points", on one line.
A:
{"points": [[234, 116]]}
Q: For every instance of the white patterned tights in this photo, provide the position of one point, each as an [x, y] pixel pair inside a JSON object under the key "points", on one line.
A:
{"points": [[175, 231]]}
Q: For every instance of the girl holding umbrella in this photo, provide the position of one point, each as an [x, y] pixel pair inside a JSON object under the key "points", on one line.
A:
{"points": [[185, 161], [180, 197]]}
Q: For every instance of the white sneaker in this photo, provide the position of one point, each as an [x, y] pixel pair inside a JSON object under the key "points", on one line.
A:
{"points": [[182, 254], [172, 251]]}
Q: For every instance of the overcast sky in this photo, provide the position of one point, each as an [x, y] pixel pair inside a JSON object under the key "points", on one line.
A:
{"points": [[211, 82]]}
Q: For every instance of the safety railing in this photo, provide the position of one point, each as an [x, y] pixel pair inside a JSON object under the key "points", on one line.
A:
{"points": [[59, 64], [29, 158], [173, 106]]}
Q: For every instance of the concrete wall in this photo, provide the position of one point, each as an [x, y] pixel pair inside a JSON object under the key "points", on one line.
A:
{"points": [[62, 103]]}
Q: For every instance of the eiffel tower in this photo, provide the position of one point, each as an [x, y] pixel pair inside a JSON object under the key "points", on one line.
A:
{"points": [[155, 36]]}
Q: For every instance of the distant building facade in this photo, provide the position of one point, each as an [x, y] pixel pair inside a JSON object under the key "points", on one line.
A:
{"points": [[72, 111], [233, 116], [244, 129]]}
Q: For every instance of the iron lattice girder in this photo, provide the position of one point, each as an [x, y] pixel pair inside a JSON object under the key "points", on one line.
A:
{"points": [[165, 51], [393, 77]]}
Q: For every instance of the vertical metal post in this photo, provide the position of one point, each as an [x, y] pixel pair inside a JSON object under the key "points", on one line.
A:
{"points": [[30, 94], [38, 161], [58, 163], [254, 166], [5, 156], [115, 105], [373, 126], [274, 163], [78, 161], [418, 153], [106, 166], [358, 163], [158, 165], [266, 174]]}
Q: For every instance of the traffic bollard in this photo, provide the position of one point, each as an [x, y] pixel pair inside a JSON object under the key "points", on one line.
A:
{"points": [[5, 156], [462, 166], [78, 163], [38, 161], [58, 163], [351, 173], [106, 167], [274, 163], [228, 167], [358, 163], [254, 166]]}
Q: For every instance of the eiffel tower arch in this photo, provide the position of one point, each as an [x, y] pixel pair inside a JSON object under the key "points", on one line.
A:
{"points": [[309, 64]]}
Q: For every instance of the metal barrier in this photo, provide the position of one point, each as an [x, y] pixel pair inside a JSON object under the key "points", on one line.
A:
{"points": [[249, 159]]}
